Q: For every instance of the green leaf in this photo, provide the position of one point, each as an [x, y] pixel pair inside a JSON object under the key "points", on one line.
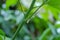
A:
{"points": [[10, 2], [54, 3], [2, 32], [53, 30], [1, 38], [50, 10], [44, 34], [40, 24], [4, 38]]}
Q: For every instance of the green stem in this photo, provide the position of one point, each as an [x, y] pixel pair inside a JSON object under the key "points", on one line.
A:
{"points": [[18, 29], [21, 24], [34, 12], [31, 7], [25, 19]]}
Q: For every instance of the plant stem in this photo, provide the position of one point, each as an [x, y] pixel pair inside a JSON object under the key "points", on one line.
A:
{"points": [[21, 24], [25, 19], [31, 7], [34, 12], [18, 29]]}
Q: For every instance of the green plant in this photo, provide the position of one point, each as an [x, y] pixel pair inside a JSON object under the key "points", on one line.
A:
{"points": [[38, 20]]}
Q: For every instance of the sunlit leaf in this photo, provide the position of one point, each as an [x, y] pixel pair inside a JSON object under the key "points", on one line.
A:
{"points": [[10, 3], [2, 32], [54, 3], [1, 38]]}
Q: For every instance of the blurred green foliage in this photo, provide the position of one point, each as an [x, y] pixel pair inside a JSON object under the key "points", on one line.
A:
{"points": [[29, 19]]}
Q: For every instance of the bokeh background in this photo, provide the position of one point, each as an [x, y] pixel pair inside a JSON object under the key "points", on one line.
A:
{"points": [[44, 24]]}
